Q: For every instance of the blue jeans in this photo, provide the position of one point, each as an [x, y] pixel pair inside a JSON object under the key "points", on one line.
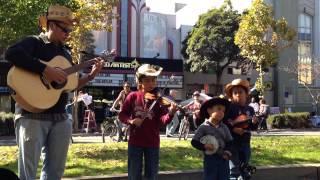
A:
{"points": [[151, 162], [172, 126], [241, 153], [51, 139], [215, 167]]}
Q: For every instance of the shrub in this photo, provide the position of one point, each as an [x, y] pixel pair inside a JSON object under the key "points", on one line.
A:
{"points": [[290, 120], [6, 123]]}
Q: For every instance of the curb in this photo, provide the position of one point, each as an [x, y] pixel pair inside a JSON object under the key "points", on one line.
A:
{"points": [[289, 172]]}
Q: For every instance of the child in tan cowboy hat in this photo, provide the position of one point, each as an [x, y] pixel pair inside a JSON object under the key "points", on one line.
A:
{"points": [[49, 130], [241, 120], [145, 116]]}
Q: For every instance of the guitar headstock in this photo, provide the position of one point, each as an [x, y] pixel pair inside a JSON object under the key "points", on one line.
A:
{"points": [[108, 55]]}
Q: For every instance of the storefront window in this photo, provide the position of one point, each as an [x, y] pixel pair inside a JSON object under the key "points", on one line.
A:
{"points": [[305, 75]]}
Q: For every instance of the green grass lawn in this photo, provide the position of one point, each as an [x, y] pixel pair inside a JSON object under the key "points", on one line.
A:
{"points": [[111, 158]]}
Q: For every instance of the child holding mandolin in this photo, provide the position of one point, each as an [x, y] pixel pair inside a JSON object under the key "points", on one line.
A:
{"points": [[241, 120], [145, 114]]}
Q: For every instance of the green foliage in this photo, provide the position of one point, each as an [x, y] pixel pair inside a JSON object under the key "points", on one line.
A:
{"points": [[210, 45], [92, 15], [261, 37], [6, 124], [4, 116], [290, 120], [111, 158], [19, 18]]}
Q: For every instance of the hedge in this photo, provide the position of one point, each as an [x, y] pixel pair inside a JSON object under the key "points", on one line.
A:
{"points": [[6, 124], [290, 120]]}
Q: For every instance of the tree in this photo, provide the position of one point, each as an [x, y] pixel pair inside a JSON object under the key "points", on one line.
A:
{"points": [[210, 45], [19, 18], [261, 37], [92, 15]]}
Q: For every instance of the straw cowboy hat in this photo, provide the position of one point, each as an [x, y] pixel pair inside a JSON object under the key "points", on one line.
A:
{"points": [[211, 102], [148, 70], [57, 13], [237, 82]]}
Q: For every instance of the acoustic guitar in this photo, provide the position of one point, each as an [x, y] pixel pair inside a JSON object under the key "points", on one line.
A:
{"points": [[35, 94]]}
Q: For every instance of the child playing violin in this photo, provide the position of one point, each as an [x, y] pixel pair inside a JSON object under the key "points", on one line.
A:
{"points": [[145, 116], [241, 120]]}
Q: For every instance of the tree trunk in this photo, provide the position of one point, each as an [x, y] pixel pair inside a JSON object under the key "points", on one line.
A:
{"points": [[219, 88], [75, 118]]}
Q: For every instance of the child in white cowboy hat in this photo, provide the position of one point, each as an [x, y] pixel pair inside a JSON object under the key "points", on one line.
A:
{"points": [[49, 131], [145, 115], [241, 120], [214, 138]]}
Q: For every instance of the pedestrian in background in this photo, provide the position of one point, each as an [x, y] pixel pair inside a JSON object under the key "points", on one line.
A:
{"points": [[172, 126]]}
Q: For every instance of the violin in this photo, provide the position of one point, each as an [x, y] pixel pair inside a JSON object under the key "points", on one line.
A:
{"points": [[242, 121], [164, 101]]}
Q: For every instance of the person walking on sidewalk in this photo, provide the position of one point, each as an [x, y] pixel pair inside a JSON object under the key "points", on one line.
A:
{"points": [[172, 126], [145, 115], [48, 132]]}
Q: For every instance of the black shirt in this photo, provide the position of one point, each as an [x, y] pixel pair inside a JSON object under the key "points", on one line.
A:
{"points": [[234, 111], [27, 53]]}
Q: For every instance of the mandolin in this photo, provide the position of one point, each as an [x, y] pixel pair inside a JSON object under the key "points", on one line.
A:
{"points": [[35, 94]]}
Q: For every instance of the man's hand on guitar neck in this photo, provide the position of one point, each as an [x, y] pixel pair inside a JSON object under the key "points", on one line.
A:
{"points": [[54, 74], [96, 68]]}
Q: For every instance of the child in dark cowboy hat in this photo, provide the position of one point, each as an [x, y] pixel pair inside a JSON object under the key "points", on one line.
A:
{"points": [[214, 138], [145, 118], [241, 120]]}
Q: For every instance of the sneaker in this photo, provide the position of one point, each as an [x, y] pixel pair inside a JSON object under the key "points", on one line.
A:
{"points": [[169, 135]]}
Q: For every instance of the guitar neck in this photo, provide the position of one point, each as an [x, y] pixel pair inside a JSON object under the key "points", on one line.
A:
{"points": [[77, 67], [106, 56]]}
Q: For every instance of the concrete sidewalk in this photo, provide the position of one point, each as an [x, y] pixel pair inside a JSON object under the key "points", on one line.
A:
{"points": [[288, 172]]}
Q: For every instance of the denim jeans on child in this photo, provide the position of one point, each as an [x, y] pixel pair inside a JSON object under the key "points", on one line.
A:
{"points": [[136, 155], [215, 167], [241, 153], [42, 136]]}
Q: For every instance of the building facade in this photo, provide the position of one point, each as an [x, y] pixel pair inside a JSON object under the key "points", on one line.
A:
{"points": [[296, 91]]}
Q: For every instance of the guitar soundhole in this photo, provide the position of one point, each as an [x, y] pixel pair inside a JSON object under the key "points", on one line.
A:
{"points": [[56, 85]]}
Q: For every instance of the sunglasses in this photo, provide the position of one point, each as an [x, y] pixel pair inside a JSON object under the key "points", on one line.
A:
{"points": [[64, 29]]}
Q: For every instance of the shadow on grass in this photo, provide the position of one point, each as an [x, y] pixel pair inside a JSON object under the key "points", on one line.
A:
{"points": [[11, 166], [271, 157], [78, 170]]}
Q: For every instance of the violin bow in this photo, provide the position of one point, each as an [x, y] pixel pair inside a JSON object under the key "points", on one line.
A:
{"points": [[162, 91]]}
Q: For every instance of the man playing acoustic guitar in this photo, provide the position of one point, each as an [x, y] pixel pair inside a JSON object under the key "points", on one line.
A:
{"points": [[49, 131]]}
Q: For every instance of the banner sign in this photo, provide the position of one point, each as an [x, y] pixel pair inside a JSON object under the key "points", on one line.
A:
{"points": [[115, 73], [115, 80]]}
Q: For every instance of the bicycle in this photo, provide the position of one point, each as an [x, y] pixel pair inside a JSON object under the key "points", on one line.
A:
{"points": [[121, 129], [109, 128], [184, 126]]}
